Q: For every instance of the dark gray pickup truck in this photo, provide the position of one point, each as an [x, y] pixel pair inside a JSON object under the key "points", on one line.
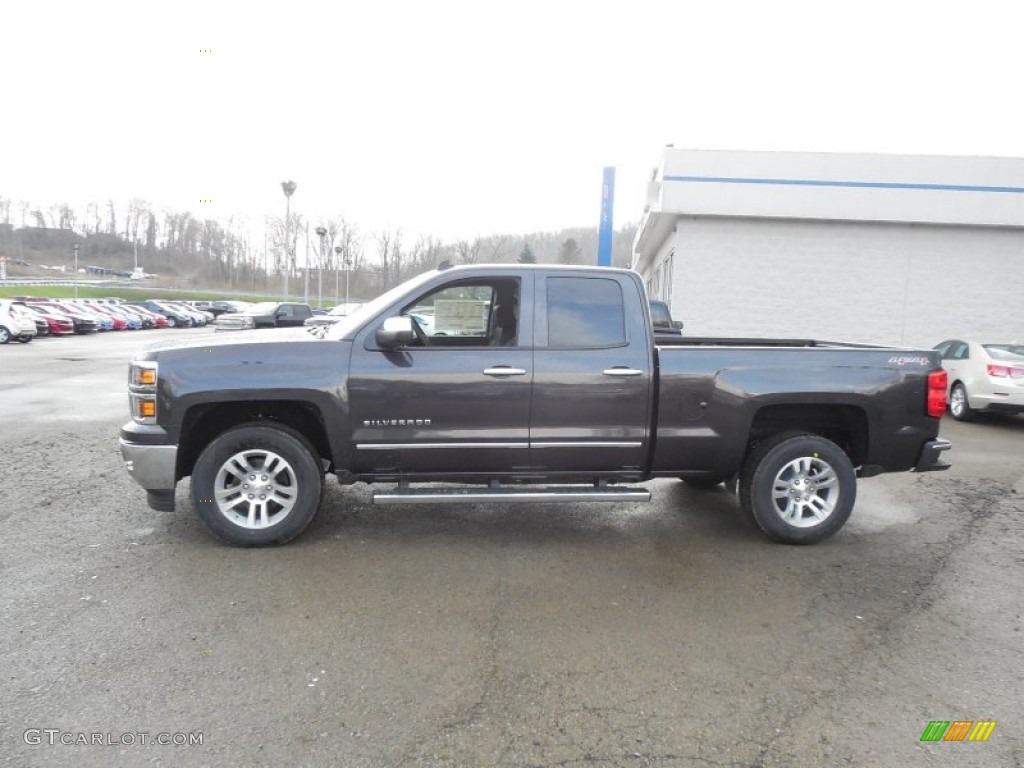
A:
{"points": [[520, 383]]}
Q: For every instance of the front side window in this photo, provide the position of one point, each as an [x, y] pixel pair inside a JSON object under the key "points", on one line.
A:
{"points": [[468, 315], [585, 312]]}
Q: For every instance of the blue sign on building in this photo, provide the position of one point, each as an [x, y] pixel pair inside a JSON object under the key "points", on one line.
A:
{"points": [[604, 232]]}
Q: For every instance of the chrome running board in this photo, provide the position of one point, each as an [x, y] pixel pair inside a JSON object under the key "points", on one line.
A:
{"points": [[510, 495]]}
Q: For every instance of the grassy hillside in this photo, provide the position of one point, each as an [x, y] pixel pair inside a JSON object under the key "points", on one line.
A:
{"points": [[130, 294]]}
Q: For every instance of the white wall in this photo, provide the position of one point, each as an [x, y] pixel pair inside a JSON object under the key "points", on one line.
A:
{"points": [[941, 190], [847, 281]]}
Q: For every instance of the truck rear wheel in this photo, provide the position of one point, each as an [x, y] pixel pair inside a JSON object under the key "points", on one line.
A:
{"points": [[798, 488], [257, 485]]}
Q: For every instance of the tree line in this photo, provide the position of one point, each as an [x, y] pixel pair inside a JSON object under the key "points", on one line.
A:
{"points": [[184, 249]]}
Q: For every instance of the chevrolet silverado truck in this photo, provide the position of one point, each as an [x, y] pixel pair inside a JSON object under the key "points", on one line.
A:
{"points": [[546, 385]]}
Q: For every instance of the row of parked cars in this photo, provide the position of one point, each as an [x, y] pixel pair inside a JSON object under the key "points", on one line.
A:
{"points": [[26, 317]]}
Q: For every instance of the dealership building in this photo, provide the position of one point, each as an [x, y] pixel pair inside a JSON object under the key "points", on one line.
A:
{"points": [[886, 249]]}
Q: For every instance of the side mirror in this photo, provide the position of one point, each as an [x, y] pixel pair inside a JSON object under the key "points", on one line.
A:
{"points": [[396, 332], [677, 324]]}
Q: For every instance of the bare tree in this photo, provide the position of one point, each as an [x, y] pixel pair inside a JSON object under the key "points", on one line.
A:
{"points": [[151, 232], [468, 254], [498, 248], [67, 217], [137, 210]]}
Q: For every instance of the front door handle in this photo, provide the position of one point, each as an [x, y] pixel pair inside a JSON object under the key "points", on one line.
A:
{"points": [[504, 370], [621, 370]]}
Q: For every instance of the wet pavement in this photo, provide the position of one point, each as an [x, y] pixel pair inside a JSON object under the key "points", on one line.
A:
{"points": [[661, 634]]}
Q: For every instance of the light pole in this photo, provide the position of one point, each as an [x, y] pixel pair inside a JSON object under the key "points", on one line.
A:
{"points": [[74, 247], [322, 231], [337, 260], [348, 270], [288, 187], [305, 290]]}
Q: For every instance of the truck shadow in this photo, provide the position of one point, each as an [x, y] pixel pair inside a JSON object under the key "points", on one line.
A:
{"points": [[676, 513]]}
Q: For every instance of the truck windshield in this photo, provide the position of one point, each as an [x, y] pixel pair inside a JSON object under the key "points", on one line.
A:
{"points": [[348, 323]]}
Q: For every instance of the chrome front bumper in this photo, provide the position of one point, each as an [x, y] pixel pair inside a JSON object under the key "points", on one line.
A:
{"points": [[151, 466], [151, 463]]}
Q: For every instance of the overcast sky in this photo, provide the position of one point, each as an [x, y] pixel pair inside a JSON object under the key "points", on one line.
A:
{"points": [[460, 119]]}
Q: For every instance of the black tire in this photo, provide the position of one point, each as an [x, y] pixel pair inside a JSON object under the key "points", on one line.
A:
{"points": [[5, 335], [810, 512], [291, 490], [171, 322], [959, 406], [25, 339]]}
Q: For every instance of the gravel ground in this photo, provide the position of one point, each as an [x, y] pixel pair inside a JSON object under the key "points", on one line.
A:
{"points": [[665, 634]]}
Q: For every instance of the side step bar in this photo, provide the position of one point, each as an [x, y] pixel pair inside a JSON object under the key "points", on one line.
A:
{"points": [[510, 495]]}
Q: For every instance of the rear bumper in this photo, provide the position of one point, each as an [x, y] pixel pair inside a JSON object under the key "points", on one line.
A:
{"points": [[1009, 402], [929, 460]]}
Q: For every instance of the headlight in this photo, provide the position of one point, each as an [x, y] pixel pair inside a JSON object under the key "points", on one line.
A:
{"points": [[142, 374], [143, 408], [142, 384]]}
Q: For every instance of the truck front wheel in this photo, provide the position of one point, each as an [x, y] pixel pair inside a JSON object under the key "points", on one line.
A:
{"points": [[798, 488], [256, 485]]}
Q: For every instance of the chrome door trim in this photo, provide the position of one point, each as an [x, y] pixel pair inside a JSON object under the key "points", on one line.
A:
{"points": [[415, 446], [590, 444]]}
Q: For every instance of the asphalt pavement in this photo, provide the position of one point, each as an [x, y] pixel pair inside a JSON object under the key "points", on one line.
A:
{"points": [[660, 634]]}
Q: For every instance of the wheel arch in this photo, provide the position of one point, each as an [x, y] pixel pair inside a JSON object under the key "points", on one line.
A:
{"points": [[845, 425], [203, 423]]}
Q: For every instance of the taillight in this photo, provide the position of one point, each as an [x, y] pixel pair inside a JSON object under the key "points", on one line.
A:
{"points": [[1005, 371], [937, 394]]}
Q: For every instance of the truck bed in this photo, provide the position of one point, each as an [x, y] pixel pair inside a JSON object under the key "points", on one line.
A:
{"points": [[750, 341]]}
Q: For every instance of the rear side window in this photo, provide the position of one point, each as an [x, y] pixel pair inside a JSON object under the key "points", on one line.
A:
{"points": [[585, 312]]}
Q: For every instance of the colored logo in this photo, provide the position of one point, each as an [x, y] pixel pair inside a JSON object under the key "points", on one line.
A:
{"points": [[958, 730]]}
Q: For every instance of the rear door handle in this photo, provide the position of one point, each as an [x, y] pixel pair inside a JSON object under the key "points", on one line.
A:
{"points": [[504, 370], [621, 370]]}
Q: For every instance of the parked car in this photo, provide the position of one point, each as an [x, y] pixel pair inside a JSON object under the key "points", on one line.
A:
{"points": [[223, 307], [218, 308], [328, 318], [176, 318], [42, 327], [983, 377], [82, 322], [105, 322], [267, 314], [60, 325], [149, 318], [15, 323], [119, 323], [199, 318]]}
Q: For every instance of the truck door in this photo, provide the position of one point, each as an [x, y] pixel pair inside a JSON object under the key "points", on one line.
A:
{"points": [[593, 364], [459, 400]]}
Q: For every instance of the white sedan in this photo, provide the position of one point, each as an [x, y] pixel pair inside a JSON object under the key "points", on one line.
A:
{"points": [[983, 377]]}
